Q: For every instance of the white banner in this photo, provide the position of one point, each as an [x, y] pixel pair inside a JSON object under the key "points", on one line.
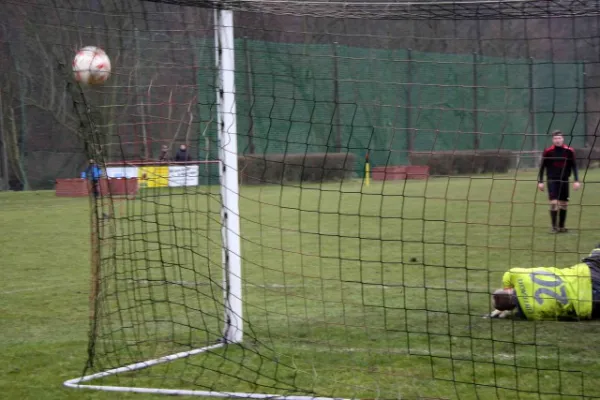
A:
{"points": [[122, 172], [179, 175], [183, 175]]}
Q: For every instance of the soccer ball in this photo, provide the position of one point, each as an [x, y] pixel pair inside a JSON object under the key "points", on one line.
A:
{"points": [[91, 66]]}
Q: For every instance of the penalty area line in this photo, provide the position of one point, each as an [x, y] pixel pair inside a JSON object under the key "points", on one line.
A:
{"points": [[426, 353], [43, 287], [371, 286]]}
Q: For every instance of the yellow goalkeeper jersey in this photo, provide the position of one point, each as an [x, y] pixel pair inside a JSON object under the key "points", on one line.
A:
{"points": [[552, 293]]}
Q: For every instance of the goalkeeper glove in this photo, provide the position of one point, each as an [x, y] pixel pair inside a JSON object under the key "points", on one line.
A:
{"points": [[498, 314]]}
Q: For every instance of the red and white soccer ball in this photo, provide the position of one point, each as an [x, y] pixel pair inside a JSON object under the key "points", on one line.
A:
{"points": [[91, 66]]}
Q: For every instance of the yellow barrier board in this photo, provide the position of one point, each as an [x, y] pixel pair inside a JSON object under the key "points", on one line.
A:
{"points": [[153, 176]]}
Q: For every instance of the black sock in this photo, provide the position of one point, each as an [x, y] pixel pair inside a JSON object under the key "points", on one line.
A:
{"points": [[553, 215], [562, 218]]}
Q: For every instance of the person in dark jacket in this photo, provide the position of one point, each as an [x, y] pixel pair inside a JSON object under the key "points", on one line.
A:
{"points": [[549, 293], [93, 173], [182, 154]]}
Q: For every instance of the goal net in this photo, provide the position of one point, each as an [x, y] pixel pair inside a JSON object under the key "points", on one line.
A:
{"points": [[361, 176]]}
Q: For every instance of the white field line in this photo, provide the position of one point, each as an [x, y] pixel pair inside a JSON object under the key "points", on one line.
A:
{"points": [[290, 350], [420, 353], [463, 356], [328, 285], [41, 287], [265, 286]]}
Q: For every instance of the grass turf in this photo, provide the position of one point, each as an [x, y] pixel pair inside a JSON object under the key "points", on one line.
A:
{"points": [[348, 291]]}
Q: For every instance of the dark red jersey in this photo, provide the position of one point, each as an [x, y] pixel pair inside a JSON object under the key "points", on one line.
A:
{"points": [[559, 163]]}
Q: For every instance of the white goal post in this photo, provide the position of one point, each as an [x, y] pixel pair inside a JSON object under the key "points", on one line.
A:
{"points": [[228, 171]]}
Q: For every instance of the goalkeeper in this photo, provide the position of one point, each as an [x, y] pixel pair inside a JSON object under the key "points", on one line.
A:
{"points": [[571, 293]]}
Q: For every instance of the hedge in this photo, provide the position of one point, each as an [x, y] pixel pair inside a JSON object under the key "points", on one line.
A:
{"points": [[587, 157], [281, 168], [464, 161]]}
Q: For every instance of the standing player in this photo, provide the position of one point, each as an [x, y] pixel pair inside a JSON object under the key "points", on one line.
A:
{"points": [[559, 161]]}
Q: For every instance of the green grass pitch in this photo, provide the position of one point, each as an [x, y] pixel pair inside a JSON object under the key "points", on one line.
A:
{"points": [[348, 291]]}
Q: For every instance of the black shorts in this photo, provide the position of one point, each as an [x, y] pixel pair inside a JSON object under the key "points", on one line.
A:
{"points": [[95, 188], [558, 190]]}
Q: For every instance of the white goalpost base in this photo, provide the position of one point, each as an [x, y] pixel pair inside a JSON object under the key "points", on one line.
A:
{"points": [[77, 383]]}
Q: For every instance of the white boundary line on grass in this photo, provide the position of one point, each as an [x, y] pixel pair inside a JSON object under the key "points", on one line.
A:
{"points": [[43, 287], [423, 353], [264, 286], [472, 289]]}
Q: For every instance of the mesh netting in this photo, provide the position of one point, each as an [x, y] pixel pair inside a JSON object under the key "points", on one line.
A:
{"points": [[387, 155]]}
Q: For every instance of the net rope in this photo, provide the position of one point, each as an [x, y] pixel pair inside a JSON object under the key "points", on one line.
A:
{"points": [[398, 10]]}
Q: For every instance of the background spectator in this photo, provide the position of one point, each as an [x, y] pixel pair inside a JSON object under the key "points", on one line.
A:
{"points": [[182, 154], [93, 173], [164, 153]]}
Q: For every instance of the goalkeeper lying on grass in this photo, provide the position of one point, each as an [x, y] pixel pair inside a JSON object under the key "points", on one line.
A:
{"points": [[551, 293]]}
